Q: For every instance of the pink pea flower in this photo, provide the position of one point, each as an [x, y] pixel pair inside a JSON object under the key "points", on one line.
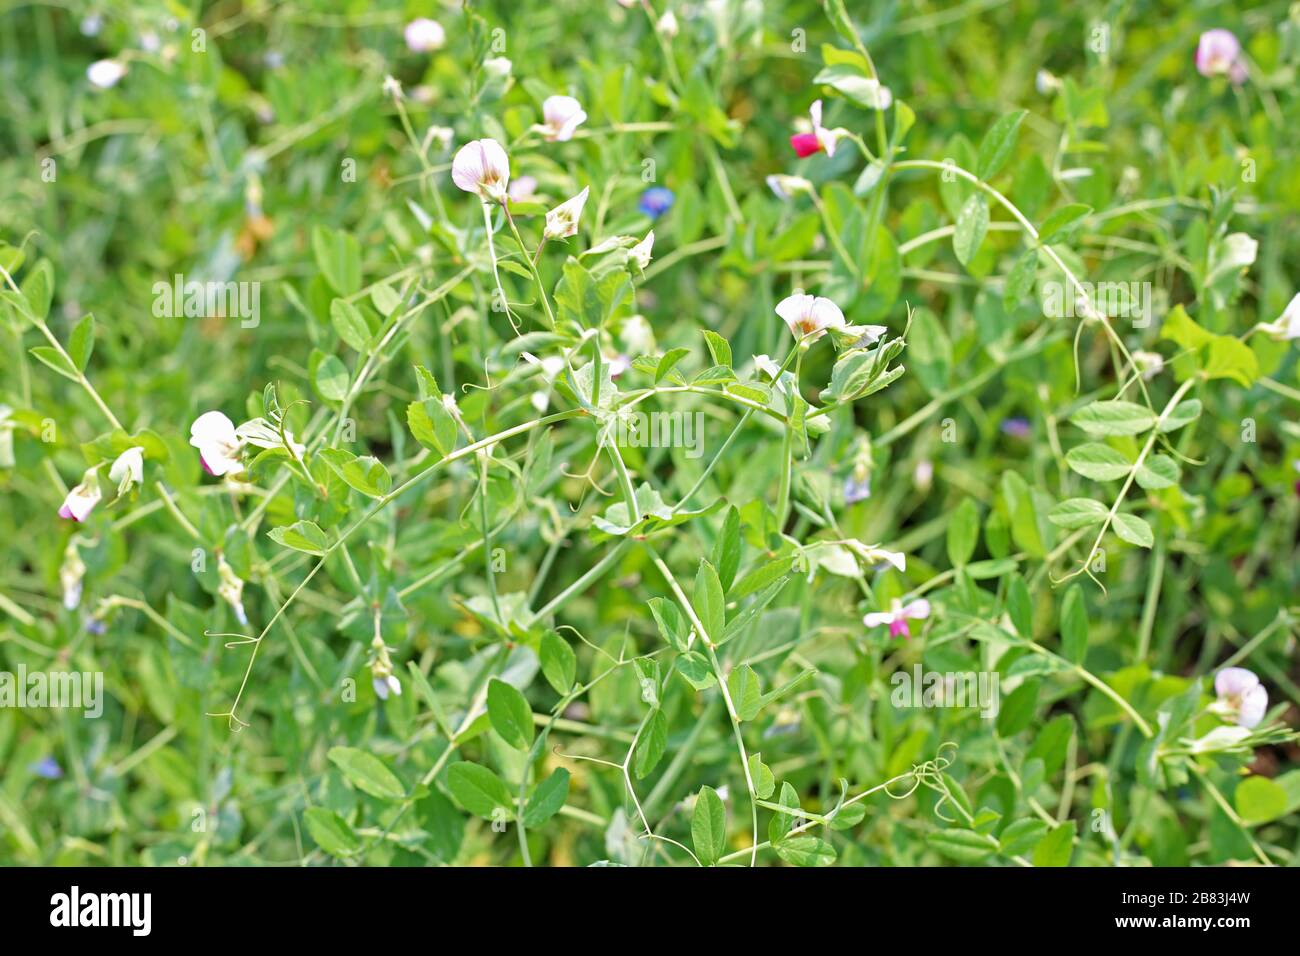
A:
{"points": [[82, 499], [213, 434], [1219, 53], [1242, 698], [897, 616], [819, 140], [561, 116], [423, 35]]}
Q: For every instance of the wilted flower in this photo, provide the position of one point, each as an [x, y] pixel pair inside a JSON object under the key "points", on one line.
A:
{"points": [[562, 221], [231, 589], [808, 317], [213, 434], [1242, 698], [424, 35], [787, 187], [561, 116], [381, 670], [82, 499], [522, 189], [640, 253], [656, 201], [482, 167], [105, 73], [128, 469], [1219, 53], [897, 616], [71, 574]]}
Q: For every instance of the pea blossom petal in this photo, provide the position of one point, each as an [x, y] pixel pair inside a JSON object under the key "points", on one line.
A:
{"points": [[482, 167], [213, 434], [561, 116], [809, 317]]}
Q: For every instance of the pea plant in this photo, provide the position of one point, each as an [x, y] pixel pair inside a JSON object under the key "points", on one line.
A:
{"points": [[627, 433]]}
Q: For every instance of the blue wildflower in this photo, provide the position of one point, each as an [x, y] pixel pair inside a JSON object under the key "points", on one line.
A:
{"points": [[656, 201]]}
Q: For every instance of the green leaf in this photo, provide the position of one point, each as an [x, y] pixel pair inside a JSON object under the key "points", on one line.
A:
{"points": [[366, 474], [964, 846], [746, 692], [367, 773], [670, 358], [1078, 513], [709, 826], [1056, 847], [670, 623], [719, 348], [761, 774], [1184, 413], [1158, 471], [1098, 462], [1020, 280], [1060, 221], [726, 549], [998, 143], [1259, 799], [82, 342], [37, 288], [301, 536], [1133, 529], [1017, 709], [972, 224], [350, 325], [1114, 418], [709, 603], [1023, 511], [53, 358], [1074, 625], [547, 799], [338, 256], [806, 851], [332, 378], [559, 663], [1020, 608], [385, 299], [510, 714], [963, 532], [331, 832], [651, 745], [480, 791], [1021, 836]]}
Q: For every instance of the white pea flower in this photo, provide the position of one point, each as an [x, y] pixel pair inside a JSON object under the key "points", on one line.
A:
{"points": [[787, 187], [1242, 698], [392, 87], [231, 589], [562, 221], [6, 437], [764, 364], [424, 35], [1149, 364], [668, 24], [1286, 326], [482, 167], [213, 434], [561, 116], [105, 73], [71, 573], [497, 67], [262, 434], [522, 189], [808, 317], [640, 253], [128, 469], [82, 499]]}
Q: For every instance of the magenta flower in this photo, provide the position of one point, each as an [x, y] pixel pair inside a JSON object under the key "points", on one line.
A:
{"points": [[897, 616]]}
